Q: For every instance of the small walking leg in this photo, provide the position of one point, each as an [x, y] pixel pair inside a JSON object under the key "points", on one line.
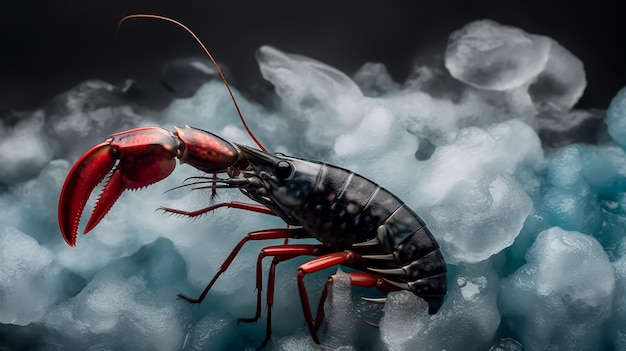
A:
{"points": [[234, 204], [278, 233], [317, 264], [280, 253]]}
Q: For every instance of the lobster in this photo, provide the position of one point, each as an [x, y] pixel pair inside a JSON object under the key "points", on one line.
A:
{"points": [[358, 223]]}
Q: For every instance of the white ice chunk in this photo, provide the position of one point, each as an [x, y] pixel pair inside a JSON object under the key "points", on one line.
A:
{"points": [[129, 303], [563, 296], [24, 150], [87, 114], [304, 343], [376, 129], [435, 106], [434, 79], [374, 80], [561, 83], [485, 107], [406, 315], [340, 314], [467, 194], [500, 149], [209, 332], [290, 74], [576, 126], [467, 320], [479, 219], [28, 278], [36, 196], [311, 91], [434, 119], [507, 344], [491, 56], [121, 312], [604, 168], [618, 327], [568, 200], [565, 169], [616, 118]]}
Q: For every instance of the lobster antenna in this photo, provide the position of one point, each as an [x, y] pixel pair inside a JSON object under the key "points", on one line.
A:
{"points": [[219, 70]]}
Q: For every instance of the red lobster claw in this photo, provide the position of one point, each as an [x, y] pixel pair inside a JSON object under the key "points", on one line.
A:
{"points": [[133, 159]]}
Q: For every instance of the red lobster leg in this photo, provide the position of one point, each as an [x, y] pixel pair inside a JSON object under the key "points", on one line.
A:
{"points": [[280, 253], [233, 204], [364, 279], [312, 266], [268, 234]]}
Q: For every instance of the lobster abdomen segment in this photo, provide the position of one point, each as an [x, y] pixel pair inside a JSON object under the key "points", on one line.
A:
{"points": [[348, 212], [344, 210]]}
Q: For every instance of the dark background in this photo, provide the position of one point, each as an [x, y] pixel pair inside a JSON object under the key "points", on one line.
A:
{"points": [[50, 46]]}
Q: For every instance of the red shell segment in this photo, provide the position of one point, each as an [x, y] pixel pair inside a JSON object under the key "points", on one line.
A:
{"points": [[206, 151]]}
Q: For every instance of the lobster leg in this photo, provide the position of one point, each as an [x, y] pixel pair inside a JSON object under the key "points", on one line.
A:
{"points": [[280, 253], [280, 233], [233, 204], [363, 279], [357, 279], [315, 265]]}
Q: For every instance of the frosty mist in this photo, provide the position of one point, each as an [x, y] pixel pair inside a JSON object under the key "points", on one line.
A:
{"points": [[524, 193]]}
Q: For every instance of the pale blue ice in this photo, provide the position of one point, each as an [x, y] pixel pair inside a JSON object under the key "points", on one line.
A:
{"points": [[530, 212]]}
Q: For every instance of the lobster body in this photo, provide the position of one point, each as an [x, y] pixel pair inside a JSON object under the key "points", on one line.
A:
{"points": [[346, 211], [358, 223]]}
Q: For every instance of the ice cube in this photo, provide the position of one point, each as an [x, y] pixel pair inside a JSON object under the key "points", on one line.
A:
{"points": [[488, 55], [616, 118], [563, 296]]}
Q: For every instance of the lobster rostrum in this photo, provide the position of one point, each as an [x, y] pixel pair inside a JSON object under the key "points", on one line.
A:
{"points": [[358, 223]]}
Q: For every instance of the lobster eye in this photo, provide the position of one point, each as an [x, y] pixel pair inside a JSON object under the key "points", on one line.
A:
{"points": [[283, 169]]}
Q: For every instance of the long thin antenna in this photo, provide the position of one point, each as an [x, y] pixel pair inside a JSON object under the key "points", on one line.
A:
{"points": [[219, 70]]}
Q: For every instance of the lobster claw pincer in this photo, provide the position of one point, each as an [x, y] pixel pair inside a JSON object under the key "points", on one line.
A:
{"points": [[132, 159]]}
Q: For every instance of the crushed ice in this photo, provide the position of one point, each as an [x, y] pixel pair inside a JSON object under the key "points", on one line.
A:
{"points": [[526, 196]]}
